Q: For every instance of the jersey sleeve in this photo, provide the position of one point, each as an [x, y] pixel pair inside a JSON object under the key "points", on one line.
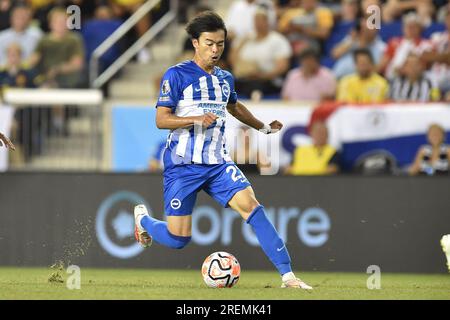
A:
{"points": [[233, 95], [169, 93]]}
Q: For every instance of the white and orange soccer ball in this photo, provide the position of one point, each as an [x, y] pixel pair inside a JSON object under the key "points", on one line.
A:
{"points": [[221, 270]]}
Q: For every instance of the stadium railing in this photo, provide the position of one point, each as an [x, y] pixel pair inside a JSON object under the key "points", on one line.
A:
{"points": [[56, 129], [98, 80]]}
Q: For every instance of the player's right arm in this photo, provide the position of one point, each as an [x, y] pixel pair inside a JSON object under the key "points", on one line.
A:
{"points": [[165, 119]]}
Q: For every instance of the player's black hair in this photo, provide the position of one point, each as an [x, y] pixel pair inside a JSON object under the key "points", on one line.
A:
{"points": [[309, 53], [207, 21], [363, 52]]}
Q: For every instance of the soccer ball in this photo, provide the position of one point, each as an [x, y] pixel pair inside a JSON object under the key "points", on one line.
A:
{"points": [[221, 270]]}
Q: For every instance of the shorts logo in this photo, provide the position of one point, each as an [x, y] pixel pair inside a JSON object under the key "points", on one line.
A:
{"points": [[175, 204], [165, 88], [226, 89]]}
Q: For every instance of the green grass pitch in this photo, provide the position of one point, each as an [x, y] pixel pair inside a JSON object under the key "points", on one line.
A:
{"points": [[33, 283]]}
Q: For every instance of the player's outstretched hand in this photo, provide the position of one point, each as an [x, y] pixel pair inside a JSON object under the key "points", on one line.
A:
{"points": [[276, 126], [208, 119], [6, 142]]}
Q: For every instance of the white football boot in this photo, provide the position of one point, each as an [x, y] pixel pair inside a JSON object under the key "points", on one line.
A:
{"points": [[445, 243], [289, 280], [141, 235]]}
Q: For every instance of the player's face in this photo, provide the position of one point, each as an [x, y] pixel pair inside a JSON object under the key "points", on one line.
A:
{"points": [[209, 47]]}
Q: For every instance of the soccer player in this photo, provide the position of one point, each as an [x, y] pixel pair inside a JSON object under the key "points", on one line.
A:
{"points": [[194, 97], [4, 141]]}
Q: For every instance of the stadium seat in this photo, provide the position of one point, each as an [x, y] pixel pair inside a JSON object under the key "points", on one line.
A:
{"points": [[339, 31], [391, 30], [432, 28], [327, 62], [376, 162], [94, 32]]}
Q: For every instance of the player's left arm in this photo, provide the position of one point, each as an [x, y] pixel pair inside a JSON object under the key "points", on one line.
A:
{"points": [[240, 112]]}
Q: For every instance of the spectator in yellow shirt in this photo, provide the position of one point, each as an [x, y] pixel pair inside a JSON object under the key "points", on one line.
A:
{"points": [[320, 158], [366, 86]]}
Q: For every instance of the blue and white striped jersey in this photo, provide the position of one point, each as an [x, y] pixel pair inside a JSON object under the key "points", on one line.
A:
{"points": [[191, 91]]}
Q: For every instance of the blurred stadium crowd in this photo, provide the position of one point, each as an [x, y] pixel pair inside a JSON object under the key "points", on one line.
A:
{"points": [[336, 46], [406, 59], [294, 50]]}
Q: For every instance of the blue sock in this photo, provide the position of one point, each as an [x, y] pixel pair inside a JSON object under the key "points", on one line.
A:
{"points": [[270, 241], [158, 231]]}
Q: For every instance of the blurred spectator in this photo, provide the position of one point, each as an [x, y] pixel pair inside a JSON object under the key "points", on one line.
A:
{"points": [[97, 30], [399, 48], [432, 159], [283, 5], [366, 86], [240, 17], [41, 9], [311, 81], [320, 158], [441, 15], [415, 85], [59, 55], [5, 13], [439, 57], [121, 9], [20, 32], [365, 4], [394, 9], [361, 37], [307, 25], [349, 11], [261, 60], [12, 73], [59, 59]]}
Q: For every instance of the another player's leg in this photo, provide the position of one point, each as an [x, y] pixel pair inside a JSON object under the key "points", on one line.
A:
{"points": [[175, 233], [245, 203]]}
